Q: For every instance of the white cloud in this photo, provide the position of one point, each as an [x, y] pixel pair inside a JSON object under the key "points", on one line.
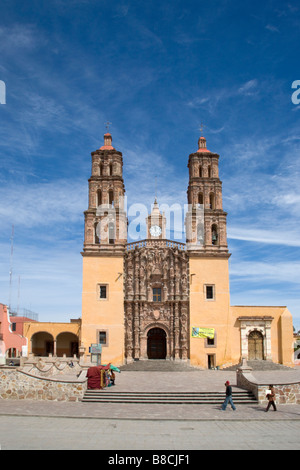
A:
{"points": [[258, 271], [18, 37], [272, 28], [210, 101], [270, 237], [50, 279], [249, 88], [43, 204]]}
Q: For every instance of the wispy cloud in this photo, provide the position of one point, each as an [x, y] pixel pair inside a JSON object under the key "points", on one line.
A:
{"points": [[246, 233], [267, 272], [43, 279], [272, 28], [18, 37], [210, 100], [249, 88], [43, 204]]}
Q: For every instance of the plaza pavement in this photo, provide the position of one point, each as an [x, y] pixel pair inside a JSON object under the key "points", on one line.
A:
{"points": [[49, 425], [206, 380]]}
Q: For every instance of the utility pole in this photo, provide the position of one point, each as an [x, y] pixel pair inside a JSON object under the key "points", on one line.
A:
{"points": [[11, 264], [18, 295]]}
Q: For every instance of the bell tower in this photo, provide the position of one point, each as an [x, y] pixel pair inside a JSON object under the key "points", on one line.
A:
{"points": [[105, 219], [206, 220], [105, 238], [207, 249]]}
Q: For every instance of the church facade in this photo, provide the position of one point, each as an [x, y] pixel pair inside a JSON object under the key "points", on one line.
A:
{"points": [[160, 299]]}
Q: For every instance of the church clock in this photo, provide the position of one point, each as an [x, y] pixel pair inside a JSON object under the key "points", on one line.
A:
{"points": [[155, 230]]}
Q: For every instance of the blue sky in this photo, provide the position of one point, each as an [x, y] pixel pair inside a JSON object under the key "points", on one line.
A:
{"points": [[155, 70]]}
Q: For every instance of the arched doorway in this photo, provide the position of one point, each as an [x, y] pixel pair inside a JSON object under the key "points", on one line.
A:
{"points": [[66, 343], [42, 344], [255, 346], [156, 344]]}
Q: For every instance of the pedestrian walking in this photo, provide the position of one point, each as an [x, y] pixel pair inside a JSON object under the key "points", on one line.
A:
{"points": [[271, 398], [112, 377], [228, 398]]}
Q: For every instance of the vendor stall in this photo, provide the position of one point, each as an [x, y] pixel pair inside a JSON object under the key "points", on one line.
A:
{"points": [[97, 377]]}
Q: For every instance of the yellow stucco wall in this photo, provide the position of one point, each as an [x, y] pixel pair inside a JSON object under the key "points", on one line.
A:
{"points": [[108, 314], [218, 314], [210, 313], [103, 314], [286, 339], [281, 331], [62, 334], [53, 328]]}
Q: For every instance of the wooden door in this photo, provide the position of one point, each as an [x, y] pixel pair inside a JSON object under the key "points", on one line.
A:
{"points": [[255, 346], [156, 344]]}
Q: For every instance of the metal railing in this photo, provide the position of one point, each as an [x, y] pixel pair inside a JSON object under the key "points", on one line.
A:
{"points": [[23, 312], [156, 244]]}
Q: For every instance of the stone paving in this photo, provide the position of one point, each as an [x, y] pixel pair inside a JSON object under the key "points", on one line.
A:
{"points": [[28, 424], [127, 436], [163, 381]]}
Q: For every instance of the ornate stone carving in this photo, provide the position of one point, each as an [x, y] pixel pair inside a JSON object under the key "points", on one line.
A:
{"points": [[163, 266]]}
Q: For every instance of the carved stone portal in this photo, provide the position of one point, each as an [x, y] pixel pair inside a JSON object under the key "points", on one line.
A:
{"points": [[156, 297]]}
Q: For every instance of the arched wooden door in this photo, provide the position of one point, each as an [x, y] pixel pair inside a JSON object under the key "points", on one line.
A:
{"points": [[255, 346], [156, 344]]}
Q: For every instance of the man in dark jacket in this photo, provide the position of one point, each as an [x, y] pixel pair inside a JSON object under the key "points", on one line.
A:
{"points": [[228, 398], [271, 398]]}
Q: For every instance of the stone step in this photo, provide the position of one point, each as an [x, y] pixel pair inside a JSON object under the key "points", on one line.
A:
{"points": [[159, 365], [171, 398], [260, 365]]}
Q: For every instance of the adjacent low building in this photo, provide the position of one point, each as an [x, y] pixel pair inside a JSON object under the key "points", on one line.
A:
{"points": [[13, 343]]}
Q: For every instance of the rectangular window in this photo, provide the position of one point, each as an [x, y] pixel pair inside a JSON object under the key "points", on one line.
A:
{"points": [[13, 327], [103, 291], [211, 342], [157, 294], [102, 337], [210, 292]]}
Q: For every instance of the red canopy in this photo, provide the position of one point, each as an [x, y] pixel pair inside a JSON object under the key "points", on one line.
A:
{"points": [[95, 376]]}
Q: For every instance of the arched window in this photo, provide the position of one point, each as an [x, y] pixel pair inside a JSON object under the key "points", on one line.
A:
{"points": [[111, 233], [212, 199], [99, 197], [214, 234], [110, 169], [97, 232], [209, 171], [111, 197], [101, 169], [200, 171], [200, 234], [200, 198]]}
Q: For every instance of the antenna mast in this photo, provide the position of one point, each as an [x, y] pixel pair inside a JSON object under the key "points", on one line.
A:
{"points": [[11, 264]]}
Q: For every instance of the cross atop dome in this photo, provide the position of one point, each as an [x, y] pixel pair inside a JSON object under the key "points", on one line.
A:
{"points": [[201, 129], [107, 138]]}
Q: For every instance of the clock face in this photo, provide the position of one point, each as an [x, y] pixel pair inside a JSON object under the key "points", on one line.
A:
{"points": [[155, 230]]}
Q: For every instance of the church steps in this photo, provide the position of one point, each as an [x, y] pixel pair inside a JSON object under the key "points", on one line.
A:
{"points": [[193, 398]]}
